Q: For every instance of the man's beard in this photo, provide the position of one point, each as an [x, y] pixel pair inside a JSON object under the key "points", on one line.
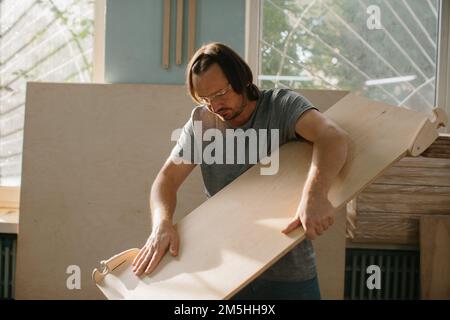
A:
{"points": [[238, 112]]}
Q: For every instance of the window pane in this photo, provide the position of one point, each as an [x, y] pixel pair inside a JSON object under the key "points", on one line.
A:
{"points": [[343, 45], [48, 40]]}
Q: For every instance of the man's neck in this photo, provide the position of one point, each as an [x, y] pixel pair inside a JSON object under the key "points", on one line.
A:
{"points": [[245, 115]]}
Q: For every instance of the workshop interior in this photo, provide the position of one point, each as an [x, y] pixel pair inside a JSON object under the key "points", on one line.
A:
{"points": [[93, 91]]}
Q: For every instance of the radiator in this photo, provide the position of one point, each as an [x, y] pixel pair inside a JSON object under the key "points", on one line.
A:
{"points": [[7, 265], [400, 274]]}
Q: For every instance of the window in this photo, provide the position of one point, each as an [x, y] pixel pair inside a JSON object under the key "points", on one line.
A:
{"points": [[385, 50], [48, 41]]}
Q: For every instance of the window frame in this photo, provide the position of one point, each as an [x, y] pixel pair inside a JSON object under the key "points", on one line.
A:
{"points": [[252, 48], [98, 62], [443, 67], [252, 36]]}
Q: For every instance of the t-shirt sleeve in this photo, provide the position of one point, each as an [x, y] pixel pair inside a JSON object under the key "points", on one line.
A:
{"points": [[185, 147], [292, 105]]}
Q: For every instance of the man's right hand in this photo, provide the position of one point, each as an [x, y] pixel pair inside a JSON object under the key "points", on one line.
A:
{"points": [[164, 237]]}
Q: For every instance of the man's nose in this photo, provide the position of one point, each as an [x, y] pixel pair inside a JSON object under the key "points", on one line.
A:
{"points": [[215, 106]]}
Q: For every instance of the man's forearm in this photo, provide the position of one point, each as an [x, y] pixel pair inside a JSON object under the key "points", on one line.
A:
{"points": [[315, 211], [163, 199], [329, 156]]}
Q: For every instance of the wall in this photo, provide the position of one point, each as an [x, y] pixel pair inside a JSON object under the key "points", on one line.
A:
{"points": [[133, 41]]}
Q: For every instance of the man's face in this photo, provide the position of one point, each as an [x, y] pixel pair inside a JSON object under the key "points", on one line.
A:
{"points": [[227, 106]]}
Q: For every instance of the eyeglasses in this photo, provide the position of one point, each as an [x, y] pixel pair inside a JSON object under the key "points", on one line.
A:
{"points": [[210, 99]]}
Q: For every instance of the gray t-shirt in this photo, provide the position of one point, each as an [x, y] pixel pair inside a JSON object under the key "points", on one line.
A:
{"points": [[275, 109]]}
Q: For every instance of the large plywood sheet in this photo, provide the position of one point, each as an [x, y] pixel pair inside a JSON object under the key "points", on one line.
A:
{"points": [[323, 99], [330, 258], [234, 236], [435, 257], [91, 153]]}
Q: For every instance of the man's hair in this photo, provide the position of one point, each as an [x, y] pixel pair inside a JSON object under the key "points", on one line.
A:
{"points": [[236, 70]]}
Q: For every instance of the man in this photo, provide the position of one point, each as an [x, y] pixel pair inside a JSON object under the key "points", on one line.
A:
{"points": [[222, 84]]}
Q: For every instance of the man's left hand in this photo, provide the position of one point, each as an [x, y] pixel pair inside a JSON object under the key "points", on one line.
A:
{"points": [[315, 213]]}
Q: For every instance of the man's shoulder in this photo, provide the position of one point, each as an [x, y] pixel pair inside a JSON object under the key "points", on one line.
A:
{"points": [[285, 92], [280, 94], [200, 112], [279, 97]]}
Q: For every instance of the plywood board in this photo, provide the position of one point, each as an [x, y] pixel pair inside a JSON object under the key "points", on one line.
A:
{"points": [[243, 236], [404, 199], [330, 258], [192, 27], [435, 257], [166, 35], [9, 197], [179, 36], [91, 153], [9, 209], [9, 221]]}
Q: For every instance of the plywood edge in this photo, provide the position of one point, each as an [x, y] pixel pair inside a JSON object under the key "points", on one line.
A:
{"points": [[323, 99], [300, 234], [10, 197], [9, 209], [428, 132], [112, 263], [9, 221]]}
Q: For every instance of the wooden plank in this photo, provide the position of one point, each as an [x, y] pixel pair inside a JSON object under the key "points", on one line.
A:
{"points": [[422, 162], [443, 148], [192, 19], [330, 259], [377, 239], [386, 227], [166, 35], [423, 179], [436, 155], [435, 257], [404, 198], [244, 236], [418, 171], [179, 37], [402, 207], [367, 203], [9, 220], [443, 137], [388, 192], [10, 197], [441, 142], [411, 172]]}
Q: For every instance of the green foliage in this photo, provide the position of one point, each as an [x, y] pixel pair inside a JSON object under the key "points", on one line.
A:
{"points": [[329, 42]]}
